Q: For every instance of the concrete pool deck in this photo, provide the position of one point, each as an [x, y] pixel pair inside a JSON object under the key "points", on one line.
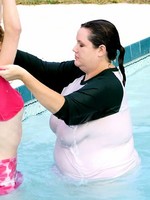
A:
{"points": [[49, 31]]}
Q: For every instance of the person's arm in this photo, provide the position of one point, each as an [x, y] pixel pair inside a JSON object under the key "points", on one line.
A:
{"points": [[92, 101], [12, 30], [55, 75], [1, 12], [50, 99]]}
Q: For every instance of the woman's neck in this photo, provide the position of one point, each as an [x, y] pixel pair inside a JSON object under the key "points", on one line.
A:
{"points": [[98, 70]]}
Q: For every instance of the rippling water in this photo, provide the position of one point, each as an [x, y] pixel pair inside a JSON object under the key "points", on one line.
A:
{"points": [[35, 158]]}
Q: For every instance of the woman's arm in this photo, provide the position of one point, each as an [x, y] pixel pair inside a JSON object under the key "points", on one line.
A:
{"points": [[50, 99], [55, 75], [92, 101], [12, 30]]}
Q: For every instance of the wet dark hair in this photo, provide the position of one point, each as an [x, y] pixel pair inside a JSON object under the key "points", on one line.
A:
{"points": [[104, 32]]}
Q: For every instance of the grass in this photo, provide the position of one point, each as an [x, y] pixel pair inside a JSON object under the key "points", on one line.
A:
{"points": [[38, 2]]}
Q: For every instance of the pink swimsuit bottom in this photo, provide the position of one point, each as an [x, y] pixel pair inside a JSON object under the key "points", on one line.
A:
{"points": [[10, 179]]}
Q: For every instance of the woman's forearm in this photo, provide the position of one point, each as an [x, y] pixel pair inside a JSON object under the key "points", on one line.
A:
{"points": [[50, 99]]}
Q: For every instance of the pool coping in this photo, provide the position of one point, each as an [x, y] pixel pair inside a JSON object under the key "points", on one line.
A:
{"points": [[133, 52]]}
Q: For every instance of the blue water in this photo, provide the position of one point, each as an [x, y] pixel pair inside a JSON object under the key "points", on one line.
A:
{"points": [[35, 155]]}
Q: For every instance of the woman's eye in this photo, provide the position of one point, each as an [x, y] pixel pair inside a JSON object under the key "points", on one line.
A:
{"points": [[81, 45]]}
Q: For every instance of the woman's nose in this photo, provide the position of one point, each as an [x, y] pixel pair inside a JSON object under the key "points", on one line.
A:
{"points": [[74, 48]]}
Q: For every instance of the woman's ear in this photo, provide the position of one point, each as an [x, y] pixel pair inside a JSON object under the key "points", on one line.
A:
{"points": [[102, 50], [102, 47]]}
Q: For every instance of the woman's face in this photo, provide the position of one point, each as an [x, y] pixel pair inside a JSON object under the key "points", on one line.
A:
{"points": [[86, 56]]}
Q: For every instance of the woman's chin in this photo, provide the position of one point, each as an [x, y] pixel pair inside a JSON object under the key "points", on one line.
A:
{"points": [[77, 63]]}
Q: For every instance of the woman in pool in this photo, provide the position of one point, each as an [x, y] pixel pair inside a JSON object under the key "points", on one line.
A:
{"points": [[11, 102], [86, 96]]}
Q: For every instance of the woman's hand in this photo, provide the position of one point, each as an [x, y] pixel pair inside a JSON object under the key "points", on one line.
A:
{"points": [[12, 72]]}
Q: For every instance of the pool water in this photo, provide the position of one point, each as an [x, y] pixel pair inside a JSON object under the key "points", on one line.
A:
{"points": [[35, 155]]}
